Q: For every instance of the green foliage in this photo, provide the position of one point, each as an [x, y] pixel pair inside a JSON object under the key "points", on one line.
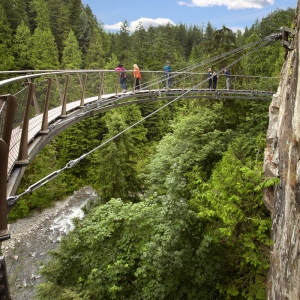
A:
{"points": [[17, 12], [21, 47], [60, 27], [6, 56], [95, 52], [42, 14], [231, 205], [43, 53], [44, 164], [71, 55], [115, 162], [150, 250], [195, 140]]}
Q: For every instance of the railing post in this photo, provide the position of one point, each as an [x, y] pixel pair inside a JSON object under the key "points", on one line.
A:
{"points": [[11, 102], [83, 91], [23, 152], [34, 100], [134, 83], [175, 82], [234, 82], [64, 105], [101, 85], [152, 81], [59, 89], [118, 82], [183, 84], [272, 84], [44, 128]]}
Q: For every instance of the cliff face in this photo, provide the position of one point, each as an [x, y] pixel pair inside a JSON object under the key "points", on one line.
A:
{"points": [[282, 159]]}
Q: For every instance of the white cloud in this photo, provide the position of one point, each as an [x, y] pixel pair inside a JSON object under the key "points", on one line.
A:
{"points": [[230, 4], [113, 27], [235, 29], [145, 21]]}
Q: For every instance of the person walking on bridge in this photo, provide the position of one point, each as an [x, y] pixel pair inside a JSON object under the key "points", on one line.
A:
{"points": [[228, 78], [120, 69], [168, 71], [215, 80], [137, 76], [209, 75]]}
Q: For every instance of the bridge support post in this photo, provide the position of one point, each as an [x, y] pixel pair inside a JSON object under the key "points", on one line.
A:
{"points": [[83, 91], [44, 129], [23, 151], [101, 87], [11, 106], [4, 232], [64, 105]]}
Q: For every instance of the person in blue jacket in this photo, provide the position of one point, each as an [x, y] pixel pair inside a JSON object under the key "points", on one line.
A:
{"points": [[167, 74]]}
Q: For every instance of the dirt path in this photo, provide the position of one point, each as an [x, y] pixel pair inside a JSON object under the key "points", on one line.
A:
{"points": [[32, 237]]}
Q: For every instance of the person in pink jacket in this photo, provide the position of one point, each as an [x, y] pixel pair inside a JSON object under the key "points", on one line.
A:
{"points": [[122, 72]]}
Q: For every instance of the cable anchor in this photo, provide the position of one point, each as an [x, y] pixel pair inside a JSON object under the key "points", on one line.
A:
{"points": [[288, 35]]}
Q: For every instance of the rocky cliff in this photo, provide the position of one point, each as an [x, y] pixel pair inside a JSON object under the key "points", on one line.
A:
{"points": [[282, 160]]}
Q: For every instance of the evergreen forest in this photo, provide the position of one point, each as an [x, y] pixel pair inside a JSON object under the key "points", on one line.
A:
{"points": [[180, 213]]}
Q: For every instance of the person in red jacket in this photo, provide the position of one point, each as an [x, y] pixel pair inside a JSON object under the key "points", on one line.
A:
{"points": [[137, 76]]}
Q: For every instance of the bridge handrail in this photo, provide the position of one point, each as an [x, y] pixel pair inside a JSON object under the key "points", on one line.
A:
{"points": [[52, 72]]}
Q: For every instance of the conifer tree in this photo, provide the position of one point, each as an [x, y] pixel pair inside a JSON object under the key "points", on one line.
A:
{"points": [[71, 56], [59, 22], [16, 11], [21, 47], [117, 176], [95, 56], [75, 9], [124, 44], [132, 114], [81, 23], [231, 204], [140, 36], [111, 81], [6, 55], [195, 36], [43, 53], [209, 33], [42, 18]]}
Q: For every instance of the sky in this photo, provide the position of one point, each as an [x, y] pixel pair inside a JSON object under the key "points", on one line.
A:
{"points": [[234, 14]]}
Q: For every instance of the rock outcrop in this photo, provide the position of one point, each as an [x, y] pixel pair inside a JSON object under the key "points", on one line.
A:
{"points": [[282, 160]]}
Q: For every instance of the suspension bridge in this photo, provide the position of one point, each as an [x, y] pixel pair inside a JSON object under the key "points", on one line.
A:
{"points": [[36, 106]]}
